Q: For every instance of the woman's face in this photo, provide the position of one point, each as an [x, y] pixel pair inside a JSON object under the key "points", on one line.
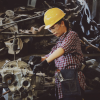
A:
{"points": [[58, 29]]}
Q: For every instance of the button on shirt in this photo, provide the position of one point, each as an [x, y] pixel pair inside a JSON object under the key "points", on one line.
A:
{"points": [[71, 59]]}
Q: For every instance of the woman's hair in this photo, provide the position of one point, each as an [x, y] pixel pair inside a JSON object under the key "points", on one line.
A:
{"points": [[65, 21]]}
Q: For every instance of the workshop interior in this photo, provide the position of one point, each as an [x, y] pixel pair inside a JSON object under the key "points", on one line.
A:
{"points": [[18, 43]]}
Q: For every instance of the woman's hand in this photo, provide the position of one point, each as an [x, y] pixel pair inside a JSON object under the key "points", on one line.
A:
{"points": [[41, 66]]}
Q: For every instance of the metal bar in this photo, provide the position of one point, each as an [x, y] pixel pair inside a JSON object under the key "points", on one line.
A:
{"points": [[25, 34], [91, 44], [19, 36], [22, 20], [6, 92], [7, 27], [47, 4]]}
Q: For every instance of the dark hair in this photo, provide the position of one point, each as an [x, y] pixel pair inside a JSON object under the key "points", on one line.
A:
{"points": [[65, 21]]}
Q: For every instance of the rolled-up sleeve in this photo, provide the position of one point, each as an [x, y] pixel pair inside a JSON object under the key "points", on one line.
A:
{"points": [[69, 42]]}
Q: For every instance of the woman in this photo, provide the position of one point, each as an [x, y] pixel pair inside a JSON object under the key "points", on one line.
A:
{"points": [[67, 51]]}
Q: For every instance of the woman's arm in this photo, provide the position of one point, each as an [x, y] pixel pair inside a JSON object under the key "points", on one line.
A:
{"points": [[43, 58], [57, 53]]}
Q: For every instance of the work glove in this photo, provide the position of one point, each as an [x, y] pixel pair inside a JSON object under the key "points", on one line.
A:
{"points": [[33, 60], [41, 67], [45, 67]]}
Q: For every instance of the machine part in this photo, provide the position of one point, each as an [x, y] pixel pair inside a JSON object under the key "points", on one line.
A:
{"points": [[92, 73], [22, 83], [1, 21], [90, 45], [17, 75], [78, 14], [32, 3], [9, 13], [13, 28], [9, 79], [5, 94], [90, 62], [35, 16], [9, 45]]}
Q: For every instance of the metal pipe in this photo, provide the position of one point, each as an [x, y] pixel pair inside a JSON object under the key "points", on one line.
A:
{"points": [[47, 4], [22, 20], [91, 45]]}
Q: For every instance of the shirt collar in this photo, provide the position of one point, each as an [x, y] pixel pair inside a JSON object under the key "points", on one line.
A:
{"points": [[62, 37]]}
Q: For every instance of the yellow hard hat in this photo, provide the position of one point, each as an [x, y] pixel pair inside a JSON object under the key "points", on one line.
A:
{"points": [[52, 16]]}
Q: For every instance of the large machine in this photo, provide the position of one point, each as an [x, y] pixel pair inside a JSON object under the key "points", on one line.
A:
{"points": [[22, 84]]}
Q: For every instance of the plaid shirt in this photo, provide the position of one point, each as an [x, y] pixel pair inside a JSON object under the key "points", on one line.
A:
{"points": [[71, 44]]}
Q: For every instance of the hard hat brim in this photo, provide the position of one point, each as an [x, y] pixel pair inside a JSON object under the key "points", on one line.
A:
{"points": [[52, 16]]}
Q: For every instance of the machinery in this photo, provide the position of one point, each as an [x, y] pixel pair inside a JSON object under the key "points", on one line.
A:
{"points": [[19, 82], [18, 77], [91, 70], [77, 12]]}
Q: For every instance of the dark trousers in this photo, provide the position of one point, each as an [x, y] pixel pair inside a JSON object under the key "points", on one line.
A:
{"points": [[71, 97]]}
